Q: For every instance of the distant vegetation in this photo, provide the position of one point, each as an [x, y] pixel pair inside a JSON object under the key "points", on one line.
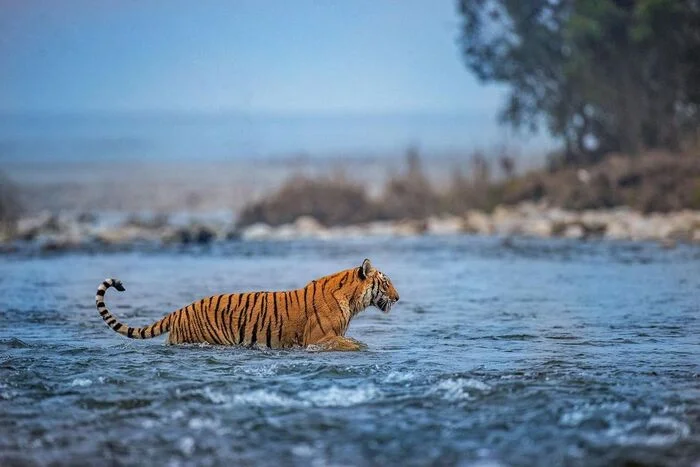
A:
{"points": [[652, 182], [600, 75]]}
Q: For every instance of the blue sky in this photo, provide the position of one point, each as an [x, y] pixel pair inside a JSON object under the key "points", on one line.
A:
{"points": [[254, 56]]}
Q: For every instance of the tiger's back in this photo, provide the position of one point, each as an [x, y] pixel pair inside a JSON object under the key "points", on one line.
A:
{"points": [[318, 313]]}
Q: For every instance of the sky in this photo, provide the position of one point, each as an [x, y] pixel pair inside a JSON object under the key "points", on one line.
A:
{"points": [[251, 56]]}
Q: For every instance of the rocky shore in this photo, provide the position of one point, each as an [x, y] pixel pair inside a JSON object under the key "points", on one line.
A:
{"points": [[50, 232]]}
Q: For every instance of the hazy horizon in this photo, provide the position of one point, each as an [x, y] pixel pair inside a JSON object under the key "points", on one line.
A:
{"points": [[82, 136]]}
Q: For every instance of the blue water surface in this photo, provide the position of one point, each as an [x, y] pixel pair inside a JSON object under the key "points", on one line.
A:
{"points": [[524, 352]]}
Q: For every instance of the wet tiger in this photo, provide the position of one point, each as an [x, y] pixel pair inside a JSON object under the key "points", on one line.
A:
{"points": [[318, 314]]}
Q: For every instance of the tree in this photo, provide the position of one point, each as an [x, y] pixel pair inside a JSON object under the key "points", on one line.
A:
{"points": [[600, 75]]}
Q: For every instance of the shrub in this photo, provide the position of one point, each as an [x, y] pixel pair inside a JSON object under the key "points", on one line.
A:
{"points": [[329, 200]]}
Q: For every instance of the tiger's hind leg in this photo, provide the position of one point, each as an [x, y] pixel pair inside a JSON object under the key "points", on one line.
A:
{"points": [[341, 343], [173, 338]]}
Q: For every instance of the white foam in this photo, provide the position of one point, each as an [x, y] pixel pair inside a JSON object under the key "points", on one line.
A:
{"points": [[303, 450], [261, 370], [399, 377], [82, 382], [186, 446], [457, 389], [656, 432], [264, 398], [215, 396], [148, 423], [327, 397], [202, 423], [340, 397]]}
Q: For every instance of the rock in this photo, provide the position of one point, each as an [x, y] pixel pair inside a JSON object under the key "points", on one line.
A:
{"points": [[573, 231], [617, 230], [537, 227], [196, 233], [125, 234], [445, 225], [256, 231], [696, 236], [58, 242], [308, 227], [478, 222], [29, 228], [408, 228]]}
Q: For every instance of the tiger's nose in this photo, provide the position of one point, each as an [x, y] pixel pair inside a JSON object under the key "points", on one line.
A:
{"points": [[396, 297]]}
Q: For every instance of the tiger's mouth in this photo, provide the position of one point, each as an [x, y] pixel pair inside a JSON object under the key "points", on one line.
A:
{"points": [[385, 304]]}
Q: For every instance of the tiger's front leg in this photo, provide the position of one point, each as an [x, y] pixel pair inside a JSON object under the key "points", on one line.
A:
{"points": [[341, 343]]}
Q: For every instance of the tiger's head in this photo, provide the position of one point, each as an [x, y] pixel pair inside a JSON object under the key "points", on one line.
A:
{"points": [[377, 288]]}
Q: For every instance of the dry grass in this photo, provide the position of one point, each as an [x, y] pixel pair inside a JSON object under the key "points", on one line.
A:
{"points": [[654, 182]]}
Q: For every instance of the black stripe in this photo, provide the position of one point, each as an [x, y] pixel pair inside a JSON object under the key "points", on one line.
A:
{"points": [[226, 311], [231, 313], [189, 322], [306, 289], [242, 325], [130, 332], [104, 312], [160, 326], [267, 319], [181, 325], [324, 295], [198, 326], [281, 323], [117, 326], [106, 284], [254, 333], [198, 322], [269, 336], [215, 328], [174, 328], [100, 305], [240, 322], [277, 319], [342, 314], [274, 308], [313, 306], [142, 333], [111, 322], [100, 292], [211, 330]]}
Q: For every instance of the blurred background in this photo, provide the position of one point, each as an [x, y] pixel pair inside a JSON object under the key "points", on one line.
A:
{"points": [[526, 171], [425, 107]]}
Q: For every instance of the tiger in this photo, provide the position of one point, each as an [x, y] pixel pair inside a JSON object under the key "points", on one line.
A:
{"points": [[317, 315]]}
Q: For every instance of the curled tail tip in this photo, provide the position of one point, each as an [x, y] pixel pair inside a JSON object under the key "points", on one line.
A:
{"points": [[116, 283]]}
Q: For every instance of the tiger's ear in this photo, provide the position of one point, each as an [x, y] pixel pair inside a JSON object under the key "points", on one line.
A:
{"points": [[365, 269]]}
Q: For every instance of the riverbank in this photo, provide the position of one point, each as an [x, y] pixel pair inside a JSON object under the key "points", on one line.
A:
{"points": [[65, 232]]}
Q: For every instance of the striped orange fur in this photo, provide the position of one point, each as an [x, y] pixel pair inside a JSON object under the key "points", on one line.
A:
{"points": [[317, 314]]}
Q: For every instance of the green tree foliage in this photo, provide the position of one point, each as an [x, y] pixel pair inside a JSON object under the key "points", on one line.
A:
{"points": [[601, 75]]}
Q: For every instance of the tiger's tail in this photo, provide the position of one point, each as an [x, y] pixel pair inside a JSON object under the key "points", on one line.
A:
{"points": [[155, 329]]}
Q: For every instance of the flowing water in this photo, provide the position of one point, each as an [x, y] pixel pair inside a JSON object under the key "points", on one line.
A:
{"points": [[523, 352]]}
